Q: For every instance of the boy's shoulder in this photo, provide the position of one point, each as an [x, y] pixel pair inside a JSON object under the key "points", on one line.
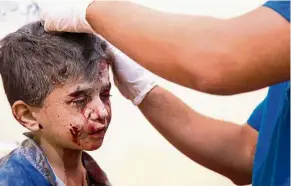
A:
{"points": [[10, 170], [24, 166], [15, 170], [27, 165]]}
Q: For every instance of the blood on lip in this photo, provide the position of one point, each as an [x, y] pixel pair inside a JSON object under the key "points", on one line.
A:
{"points": [[92, 129]]}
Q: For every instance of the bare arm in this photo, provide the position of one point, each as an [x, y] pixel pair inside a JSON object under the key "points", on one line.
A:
{"points": [[204, 53], [221, 146]]}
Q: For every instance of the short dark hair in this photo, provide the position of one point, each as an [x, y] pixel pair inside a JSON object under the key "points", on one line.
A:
{"points": [[33, 62]]}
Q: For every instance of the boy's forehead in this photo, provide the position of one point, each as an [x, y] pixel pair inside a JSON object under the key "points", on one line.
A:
{"points": [[99, 81], [101, 78], [95, 84], [71, 89]]}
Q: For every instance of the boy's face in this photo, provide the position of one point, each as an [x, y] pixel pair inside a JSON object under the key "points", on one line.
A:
{"points": [[77, 115]]}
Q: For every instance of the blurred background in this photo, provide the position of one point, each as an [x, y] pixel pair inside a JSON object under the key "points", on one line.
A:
{"points": [[133, 153]]}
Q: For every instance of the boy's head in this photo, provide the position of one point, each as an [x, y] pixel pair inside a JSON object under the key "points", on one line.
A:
{"points": [[58, 85]]}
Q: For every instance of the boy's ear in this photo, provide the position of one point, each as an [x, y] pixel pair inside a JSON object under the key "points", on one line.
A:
{"points": [[23, 114]]}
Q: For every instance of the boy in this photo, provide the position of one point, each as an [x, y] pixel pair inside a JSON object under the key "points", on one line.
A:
{"points": [[58, 87]]}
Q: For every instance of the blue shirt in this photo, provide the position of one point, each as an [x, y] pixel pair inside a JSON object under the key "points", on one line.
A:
{"points": [[272, 119], [28, 166]]}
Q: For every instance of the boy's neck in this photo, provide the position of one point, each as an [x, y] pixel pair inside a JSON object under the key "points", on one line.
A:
{"points": [[66, 163]]}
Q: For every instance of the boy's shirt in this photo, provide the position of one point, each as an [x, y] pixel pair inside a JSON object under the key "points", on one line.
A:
{"points": [[27, 165]]}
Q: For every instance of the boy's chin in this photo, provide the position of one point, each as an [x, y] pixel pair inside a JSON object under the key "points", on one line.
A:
{"points": [[91, 146]]}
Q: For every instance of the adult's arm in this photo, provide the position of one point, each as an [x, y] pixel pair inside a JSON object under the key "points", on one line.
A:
{"points": [[216, 56], [221, 146]]}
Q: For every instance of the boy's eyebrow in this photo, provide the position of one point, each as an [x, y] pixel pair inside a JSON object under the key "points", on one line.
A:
{"points": [[79, 92]]}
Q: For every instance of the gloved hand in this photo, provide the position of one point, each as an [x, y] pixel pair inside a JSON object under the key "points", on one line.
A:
{"points": [[69, 16], [132, 80]]}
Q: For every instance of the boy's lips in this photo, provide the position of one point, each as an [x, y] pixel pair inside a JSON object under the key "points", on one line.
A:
{"points": [[95, 129], [98, 133]]}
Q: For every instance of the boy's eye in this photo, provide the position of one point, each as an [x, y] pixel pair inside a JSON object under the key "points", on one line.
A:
{"points": [[80, 102], [105, 95]]}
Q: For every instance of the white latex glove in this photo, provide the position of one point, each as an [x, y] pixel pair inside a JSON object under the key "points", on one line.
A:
{"points": [[132, 80], [69, 16]]}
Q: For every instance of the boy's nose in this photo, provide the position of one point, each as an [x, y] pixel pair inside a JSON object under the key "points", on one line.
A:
{"points": [[99, 114]]}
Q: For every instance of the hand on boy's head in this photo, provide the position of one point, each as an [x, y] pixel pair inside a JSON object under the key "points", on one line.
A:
{"points": [[133, 81], [68, 16]]}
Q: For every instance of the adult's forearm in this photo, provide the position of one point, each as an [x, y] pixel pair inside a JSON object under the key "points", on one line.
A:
{"points": [[166, 44], [211, 55], [218, 145]]}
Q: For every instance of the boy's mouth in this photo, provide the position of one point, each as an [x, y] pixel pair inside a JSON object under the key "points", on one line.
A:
{"points": [[93, 129]]}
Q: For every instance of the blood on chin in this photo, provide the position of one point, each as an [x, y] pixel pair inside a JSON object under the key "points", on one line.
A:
{"points": [[87, 141], [90, 145], [89, 136]]}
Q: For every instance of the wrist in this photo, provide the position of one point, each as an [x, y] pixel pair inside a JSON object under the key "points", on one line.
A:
{"points": [[90, 15], [138, 100], [100, 13], [95, 12], [150, 95]]}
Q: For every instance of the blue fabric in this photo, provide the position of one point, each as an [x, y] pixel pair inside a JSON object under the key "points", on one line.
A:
{"points": [[14, 173], [17, 170], [257, 115], [281, 7], [272, 119], [28, 166]]}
